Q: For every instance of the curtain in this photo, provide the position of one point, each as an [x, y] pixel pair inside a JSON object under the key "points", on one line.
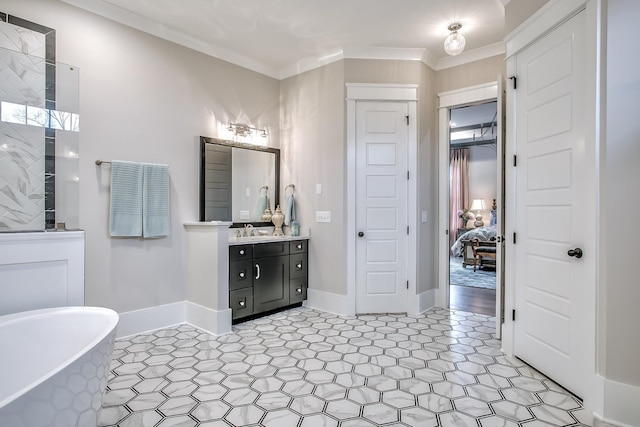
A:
{"points": [[459, 189]]}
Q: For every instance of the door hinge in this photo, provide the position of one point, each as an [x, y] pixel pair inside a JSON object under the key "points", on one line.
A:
{"points": [[407, 229], [407, 284], [407, 175], [514, 238], [407, 117], [446, 232], [515, 160], [513, 315], [515, 82]]}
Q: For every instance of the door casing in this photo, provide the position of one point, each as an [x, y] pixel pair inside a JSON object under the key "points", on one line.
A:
{"points": [[383, 92], [455, 98]]}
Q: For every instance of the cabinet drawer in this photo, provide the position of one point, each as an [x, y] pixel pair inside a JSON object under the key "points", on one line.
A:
{"points": [[241, 303], [298, 266], [297, 246], [270, 249], [240, 274], [297, 290], [240, 252]]}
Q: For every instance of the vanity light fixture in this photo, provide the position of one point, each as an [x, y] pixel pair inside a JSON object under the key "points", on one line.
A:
{"points": [[243, 130], [454, 43]]}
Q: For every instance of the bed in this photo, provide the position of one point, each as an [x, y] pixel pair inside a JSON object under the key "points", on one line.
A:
{"points": [[462, 246]]}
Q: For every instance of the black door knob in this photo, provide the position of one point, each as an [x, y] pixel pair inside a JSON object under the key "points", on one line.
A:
{"points": [[577, 252], [360, 233]]}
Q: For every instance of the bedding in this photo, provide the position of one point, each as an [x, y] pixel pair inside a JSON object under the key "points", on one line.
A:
{"points": [[484, 234]]}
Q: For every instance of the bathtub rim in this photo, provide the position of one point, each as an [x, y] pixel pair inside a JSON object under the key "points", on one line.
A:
{"points": [[8, 319]]}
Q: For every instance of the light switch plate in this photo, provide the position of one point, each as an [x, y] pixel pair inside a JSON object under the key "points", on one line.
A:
{"points": [[424, 216], [318, 188], [323, 216]]}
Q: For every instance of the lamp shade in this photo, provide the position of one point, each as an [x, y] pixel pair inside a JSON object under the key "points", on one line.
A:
{"points": [[478, 205]]}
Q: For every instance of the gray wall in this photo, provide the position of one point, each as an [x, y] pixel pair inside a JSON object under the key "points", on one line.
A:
{"points": [[314, 152], [619, 293], [517, 11], [144, 99], [471, 74]]}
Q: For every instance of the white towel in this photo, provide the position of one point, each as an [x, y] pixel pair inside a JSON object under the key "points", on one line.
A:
{"points": [[155, 201], [125, 210], [289, 209]]}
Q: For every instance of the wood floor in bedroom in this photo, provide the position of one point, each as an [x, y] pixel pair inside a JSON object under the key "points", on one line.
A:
{"points": [[475, 300]]}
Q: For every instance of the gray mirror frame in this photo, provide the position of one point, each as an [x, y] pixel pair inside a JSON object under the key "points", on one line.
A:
{"points": [[276, 151]]}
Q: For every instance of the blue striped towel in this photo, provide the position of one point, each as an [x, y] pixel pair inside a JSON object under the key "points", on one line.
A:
{"points": [[155, 201], [125, 211], [289, 209]]}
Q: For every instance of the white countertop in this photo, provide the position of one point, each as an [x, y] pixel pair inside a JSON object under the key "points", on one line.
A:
{"points": [[233, 240]]}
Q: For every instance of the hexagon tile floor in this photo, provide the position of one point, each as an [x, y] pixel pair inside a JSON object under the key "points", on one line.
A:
{"points": [[306, 368]]}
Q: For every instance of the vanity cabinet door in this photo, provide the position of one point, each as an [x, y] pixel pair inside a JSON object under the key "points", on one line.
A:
{"points": [[298, 266], [240, 252], [241, 303], [297, 246], [297, 290], [240, 274], [270, 283]]}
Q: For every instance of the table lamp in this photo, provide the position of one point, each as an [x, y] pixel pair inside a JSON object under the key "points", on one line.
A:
{"points": [[478, 205]]}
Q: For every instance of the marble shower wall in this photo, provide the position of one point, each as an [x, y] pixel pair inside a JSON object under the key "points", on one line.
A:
{"points": [[39, 140]]}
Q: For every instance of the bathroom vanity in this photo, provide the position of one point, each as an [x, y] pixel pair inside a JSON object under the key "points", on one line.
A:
{"points": [[265, 276]]}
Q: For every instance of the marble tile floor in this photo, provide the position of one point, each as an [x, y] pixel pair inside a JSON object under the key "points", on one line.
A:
{"points": [[307, 368]]}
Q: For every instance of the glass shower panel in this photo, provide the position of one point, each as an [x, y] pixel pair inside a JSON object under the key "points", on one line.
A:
{"points": [[39, 143]]}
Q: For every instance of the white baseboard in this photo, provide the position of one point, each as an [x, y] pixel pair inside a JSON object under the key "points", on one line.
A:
{"points": [[208, 319], [162, 316], [329, 302], [343, 305], [618, 405], [151, 318]]}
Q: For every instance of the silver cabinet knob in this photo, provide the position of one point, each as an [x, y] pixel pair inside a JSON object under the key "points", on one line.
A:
{"points": [[299, 246], [299, 290], [299, 265], [241, 303], [241, 275], [241, 251]]}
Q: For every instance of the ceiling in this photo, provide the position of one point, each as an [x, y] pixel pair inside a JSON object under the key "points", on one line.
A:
{"points": [[281, 38]]}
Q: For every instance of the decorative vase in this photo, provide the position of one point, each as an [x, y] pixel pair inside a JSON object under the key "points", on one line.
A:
{"points": [[464, 223], [278, 219], [266, 215]]}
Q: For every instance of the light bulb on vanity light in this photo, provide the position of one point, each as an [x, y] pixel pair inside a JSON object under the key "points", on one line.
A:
{"points": [[455, 42]]}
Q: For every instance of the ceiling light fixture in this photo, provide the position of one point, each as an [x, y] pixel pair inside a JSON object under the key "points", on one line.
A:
{"points": [[454, 43]]}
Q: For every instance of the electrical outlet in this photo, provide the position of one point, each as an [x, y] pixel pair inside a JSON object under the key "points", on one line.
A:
{"points": [[244, 215], [323, 216]]}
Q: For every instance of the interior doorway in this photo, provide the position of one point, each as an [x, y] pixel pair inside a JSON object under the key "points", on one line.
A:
{"points": [[473, 192], [471, 96]]}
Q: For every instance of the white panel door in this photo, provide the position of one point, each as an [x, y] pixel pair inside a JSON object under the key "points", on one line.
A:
{"points": [[555, 208], [381, 206]]}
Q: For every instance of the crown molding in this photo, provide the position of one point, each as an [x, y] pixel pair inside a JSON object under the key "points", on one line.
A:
{"points": [[470, 56], [140, 23]]}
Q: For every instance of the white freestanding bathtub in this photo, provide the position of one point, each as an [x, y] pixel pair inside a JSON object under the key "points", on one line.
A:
{"points": [[54, 365]]}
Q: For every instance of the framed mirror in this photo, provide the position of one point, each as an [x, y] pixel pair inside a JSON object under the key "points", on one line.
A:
{"points": [[237, 181]]}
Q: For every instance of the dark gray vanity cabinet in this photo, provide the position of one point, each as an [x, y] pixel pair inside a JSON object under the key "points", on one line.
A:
{"points": [[266, 276]]}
